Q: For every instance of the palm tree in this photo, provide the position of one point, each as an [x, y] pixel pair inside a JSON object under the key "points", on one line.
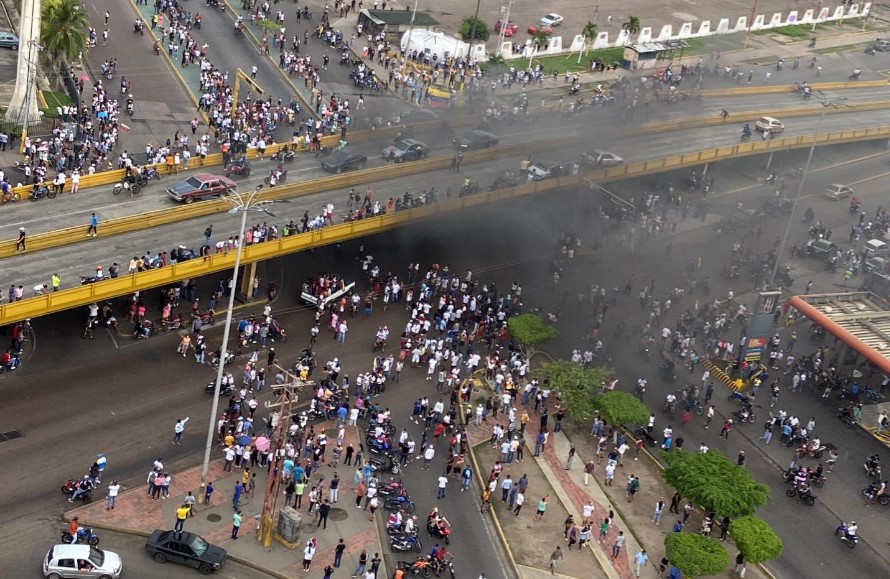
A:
{"points": [[540, 38], [632, 26], [589, 33], [63, 29]]}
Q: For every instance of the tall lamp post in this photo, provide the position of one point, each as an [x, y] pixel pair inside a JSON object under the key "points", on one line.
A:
{"points": [[243, 202], [826, 103]]}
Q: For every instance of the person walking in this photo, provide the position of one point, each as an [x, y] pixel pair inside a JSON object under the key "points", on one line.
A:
{"points": [[659, 510], [236, 496], [542, 508], [324, 509], [619, 543], [21, 242], [520, 499], [443, 482], [571, 457], [338, 553], [111, 494], [236, 524], [208, 491], [309, 553], [92, 230], [178, 429], [641, 559], [555, 557], [727, 426], [362, 562]]}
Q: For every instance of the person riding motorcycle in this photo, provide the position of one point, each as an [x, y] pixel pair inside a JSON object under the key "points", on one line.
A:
{"points": [[746, 130], [82, 487], [814, 445], [670, 402], [73, 528], [849, 530], [410, 524]]}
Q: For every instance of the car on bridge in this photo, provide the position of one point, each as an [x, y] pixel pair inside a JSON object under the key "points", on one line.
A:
{"points": [[406, 150], [837, 191], [769, 125], [185, 548], [201, 186], [540, 170], [344, 160], [602, 158], [474, 140], [420, 115]]}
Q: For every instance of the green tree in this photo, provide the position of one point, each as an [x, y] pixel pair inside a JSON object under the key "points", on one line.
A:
{"points": [[695, 555], [575, 386], [529, 332], [621, 408], [716, 483], [632, 26], [540, 38], [63, 30], [589, 34], [482, 31], [755, 539]]}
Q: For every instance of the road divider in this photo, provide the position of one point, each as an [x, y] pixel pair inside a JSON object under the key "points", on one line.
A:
{"points": [[790, 88]]}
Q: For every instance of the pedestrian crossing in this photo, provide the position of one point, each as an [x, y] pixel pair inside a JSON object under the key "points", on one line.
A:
{"points": [[734, 384]]}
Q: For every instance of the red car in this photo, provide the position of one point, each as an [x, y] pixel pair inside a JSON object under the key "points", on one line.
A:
{"points": [[537, 27], [200, 186], [510, 27]]}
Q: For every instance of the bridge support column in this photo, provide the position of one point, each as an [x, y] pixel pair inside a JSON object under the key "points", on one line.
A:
{"points": [[248, 272]]}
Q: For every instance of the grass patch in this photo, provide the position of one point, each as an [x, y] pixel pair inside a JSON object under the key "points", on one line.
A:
{"points": [[56, 99], [569, 62], [794, 31]]}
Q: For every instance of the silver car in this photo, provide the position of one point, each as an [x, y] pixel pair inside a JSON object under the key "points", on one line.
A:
{"points": [[81, 561], [9, 40]]}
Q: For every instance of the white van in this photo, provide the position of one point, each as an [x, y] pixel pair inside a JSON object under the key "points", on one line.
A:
{"points": [[876, 248]]}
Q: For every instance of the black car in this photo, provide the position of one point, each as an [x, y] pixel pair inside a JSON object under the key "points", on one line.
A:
{"points": [[475, 139], [418, 116], [186, 548], [344, 160]]}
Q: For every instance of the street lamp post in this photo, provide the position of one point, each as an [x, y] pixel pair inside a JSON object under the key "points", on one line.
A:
{"points": [[823, 100], [243, 203]]}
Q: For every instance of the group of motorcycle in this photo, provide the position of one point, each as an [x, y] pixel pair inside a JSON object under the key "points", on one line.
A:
{"points": [[403, 537], [147, 328], [135, 183]]}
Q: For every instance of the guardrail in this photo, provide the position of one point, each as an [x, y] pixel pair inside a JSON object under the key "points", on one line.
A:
{"points": [[750, 116], [111, 288], [122, 225], [785, 88]]}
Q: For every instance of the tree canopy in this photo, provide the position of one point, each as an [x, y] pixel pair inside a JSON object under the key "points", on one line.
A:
{"points": [[755, 539], [576, 387], [695, 555], [621, 408], [529, 332], [713, 481], [482, 30], [632, 25], [63, 28]]}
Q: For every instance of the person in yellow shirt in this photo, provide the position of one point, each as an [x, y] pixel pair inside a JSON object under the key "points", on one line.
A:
{"points": [[181, 514], [229, 439], [169, 163]]}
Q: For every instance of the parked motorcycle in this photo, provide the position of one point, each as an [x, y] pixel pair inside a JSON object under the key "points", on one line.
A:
{"points": [[394, 488], [400, 502], [39, 191], [405, 543], [84, 535], [420, 567], [207, 318]]}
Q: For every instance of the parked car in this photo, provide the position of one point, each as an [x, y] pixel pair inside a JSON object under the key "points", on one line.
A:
{"points": [[837, 191], [201, 186], [876, 265], [81, 561], [475, 139], [185, 548], [534, 29], [881, 45], [602, 158], [9, 40], [418, 116], [551, 19], [344, 160], [769, 124], [510, 28], [544, 170], [406, 150]]}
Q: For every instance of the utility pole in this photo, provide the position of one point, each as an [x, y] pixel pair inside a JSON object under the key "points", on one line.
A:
{"points": [[287, 396], [408, 41], [29, 102], [505, 21], [473, 29]]}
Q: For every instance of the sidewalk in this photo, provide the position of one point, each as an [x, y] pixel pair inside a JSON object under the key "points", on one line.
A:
{"points": [[568, 493], [136, 513]]}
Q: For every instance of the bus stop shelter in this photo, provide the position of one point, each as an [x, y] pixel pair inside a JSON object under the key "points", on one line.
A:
{"points": [[859, 320]]}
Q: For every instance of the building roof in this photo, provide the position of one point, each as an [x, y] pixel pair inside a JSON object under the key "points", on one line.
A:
{"points": [[400, 17], [650, 47], [859, 319]]}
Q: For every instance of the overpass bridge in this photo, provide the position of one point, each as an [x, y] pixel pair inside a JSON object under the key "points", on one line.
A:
{"points": [[253, 254]]}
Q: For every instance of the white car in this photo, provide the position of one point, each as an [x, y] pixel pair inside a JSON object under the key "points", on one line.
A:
{"points": [[544, 170], [81, 561], [771, 124], [551, 19], [602, 158], [343, 288]]}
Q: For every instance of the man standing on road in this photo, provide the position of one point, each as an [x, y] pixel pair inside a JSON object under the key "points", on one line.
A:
{"points": [[178, 429], [111, 496], [443, 482], [640, 560], [21, 241], [555, 558], [236, 524]]}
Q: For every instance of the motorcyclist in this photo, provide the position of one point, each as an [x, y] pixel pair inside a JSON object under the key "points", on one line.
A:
{"points": [[746, 130], [800, 478], [670, 402], [849, 530], [82, 487], [814, 445], [100, 274], [129, 101], [410, 523]]}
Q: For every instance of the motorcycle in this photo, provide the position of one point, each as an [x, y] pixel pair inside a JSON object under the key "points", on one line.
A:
{"points": [[207, 318], [384, 463], [281, 177], [744, 415], [400, 502], [847, 419], [214, 360], [89, 279], [405, 543], [443, 532], [84, 535], [224, 389], [173, 323], [71, 485], [39, 191], [816, 481], [741, 397], [806, 498], [855, 75], [746, 134], [145, 329], [645, 435], [873, 471], [284, 154], [241, 169], [132, 185], [420, 567], [850, 540], [870, 491], [394, 488]]}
